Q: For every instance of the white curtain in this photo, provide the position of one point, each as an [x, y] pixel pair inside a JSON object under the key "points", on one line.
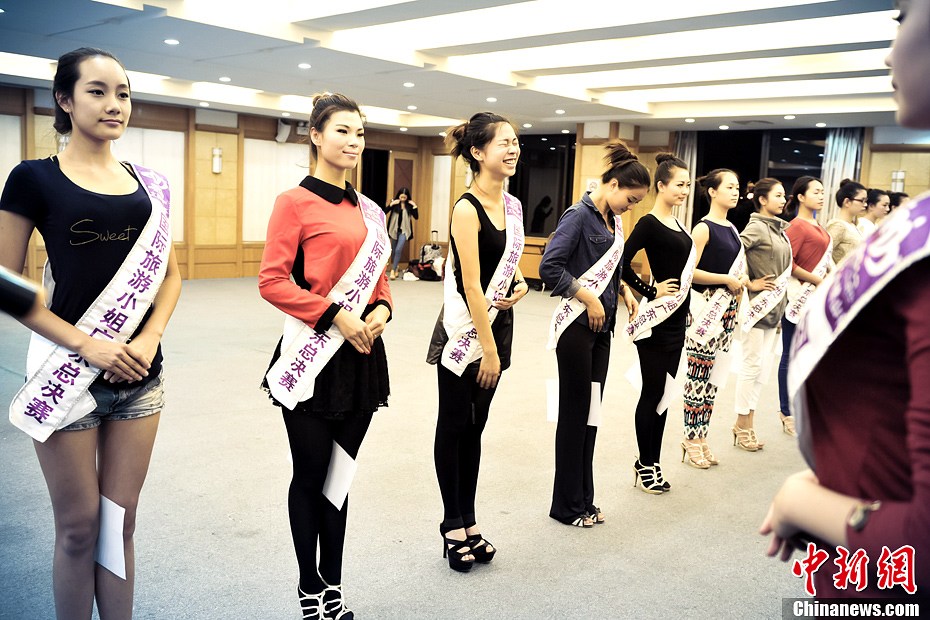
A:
{"points": [[686, 150], [270, 168], [842, 159]]}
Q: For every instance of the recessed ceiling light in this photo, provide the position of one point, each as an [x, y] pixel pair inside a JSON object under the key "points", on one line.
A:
{"points": [[491, 99], [411, 107], [724, 127], [797, 151], [527, 125], [2, 11], [172, 42], [820, 125], [225, 79], [786, 139], [409, 84], [442, 133], [565, 131], [544, 139], [819, 154], [689, 120], [403, 129], [285, 114], [304, 65], [790, 117], [551, 148], [560, 111], [204, 104]]}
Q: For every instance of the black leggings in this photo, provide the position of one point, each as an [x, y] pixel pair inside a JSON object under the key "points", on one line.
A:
{"points": [[583, 356], [655, 363], [463, 412], [312, 516]]}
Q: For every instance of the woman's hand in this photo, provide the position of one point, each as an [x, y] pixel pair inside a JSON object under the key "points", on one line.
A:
{"points": [[776, 523], [355, 331], [734, 284], [145, 345], [765, 283], [394, 202], [632, 306], [518, 292], [489, 371], [377, 320], [596, 314], [668, 287], [120, 362]]}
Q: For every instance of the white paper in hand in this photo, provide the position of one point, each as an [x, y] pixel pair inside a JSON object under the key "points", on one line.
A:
{"points": [[339, 477], [594, 411], [110, 553], [721, 370], [635, 376], [552, 400]]}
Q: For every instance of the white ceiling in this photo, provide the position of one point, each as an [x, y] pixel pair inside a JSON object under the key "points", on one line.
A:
{"points": [[745, 64]]}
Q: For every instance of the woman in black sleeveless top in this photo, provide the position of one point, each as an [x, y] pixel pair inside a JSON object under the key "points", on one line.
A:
{"points": [[717, 243], [488, 143]]}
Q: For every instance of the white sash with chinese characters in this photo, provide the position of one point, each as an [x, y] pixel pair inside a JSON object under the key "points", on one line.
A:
{"points": [[707, 313], [799, 292], [595, 279], [56, 392], [901, 241], [305, 351], [657, 310], [760, 305], [463, 346]]}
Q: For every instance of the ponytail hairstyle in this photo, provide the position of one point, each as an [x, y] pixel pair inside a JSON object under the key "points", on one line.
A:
{"points": [[324, 106], [799, 188], [67, 75], [668, 163], [712, 180], [763, 188], [624, 167], [477, 132], [847, 191], [874, 196]]}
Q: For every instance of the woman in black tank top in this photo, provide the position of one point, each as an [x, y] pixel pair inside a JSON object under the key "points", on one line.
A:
{"points": [[717, 243], [488, 143]]}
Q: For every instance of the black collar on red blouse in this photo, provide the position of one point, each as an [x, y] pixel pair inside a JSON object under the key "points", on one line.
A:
{"points": [[328, 192]]}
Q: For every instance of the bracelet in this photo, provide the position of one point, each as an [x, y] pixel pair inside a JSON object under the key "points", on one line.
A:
{"points": [[519, 282]]}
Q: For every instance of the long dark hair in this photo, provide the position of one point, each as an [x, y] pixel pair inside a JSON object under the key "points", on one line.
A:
{"points": [[799, 188], [67, 75], [403, 190]]}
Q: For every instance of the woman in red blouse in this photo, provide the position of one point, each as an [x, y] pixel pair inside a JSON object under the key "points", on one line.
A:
{"points": [[316, 232]]}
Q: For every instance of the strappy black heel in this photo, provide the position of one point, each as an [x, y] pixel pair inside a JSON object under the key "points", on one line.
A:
{"points": [[311, 605], [334, 605], [482, 550], [456, 550]]}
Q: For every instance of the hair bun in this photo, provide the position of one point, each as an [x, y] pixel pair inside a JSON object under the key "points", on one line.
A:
{"points": [[664, 157]]}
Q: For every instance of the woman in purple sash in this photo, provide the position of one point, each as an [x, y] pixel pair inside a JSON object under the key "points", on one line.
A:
{"points": [[865, 504], [73, 199]]}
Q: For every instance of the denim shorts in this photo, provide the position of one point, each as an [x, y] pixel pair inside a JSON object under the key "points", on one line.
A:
{"points": [[125, 403]]}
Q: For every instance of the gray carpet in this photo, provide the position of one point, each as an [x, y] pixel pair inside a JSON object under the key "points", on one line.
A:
{"points": [[213, 541]]}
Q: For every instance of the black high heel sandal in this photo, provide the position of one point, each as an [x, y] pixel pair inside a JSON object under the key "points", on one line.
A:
{"points": [[479, 548], [646, 476], [334, 604], [456, 550]]}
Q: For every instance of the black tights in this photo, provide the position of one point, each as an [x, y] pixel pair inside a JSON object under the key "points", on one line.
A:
{"points": [[313, 517], [655, 363], [463, 412]]}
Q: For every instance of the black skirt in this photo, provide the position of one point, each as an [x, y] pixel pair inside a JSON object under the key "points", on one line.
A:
{"points": [[351, 383]]}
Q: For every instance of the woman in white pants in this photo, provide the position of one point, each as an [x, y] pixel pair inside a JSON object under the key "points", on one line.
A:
{"points": [[768, 256]]}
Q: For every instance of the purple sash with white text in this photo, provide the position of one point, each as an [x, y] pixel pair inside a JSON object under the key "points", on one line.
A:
{"points": [[463, 346], [56, 392], [902, 240], [595, 279], [305, 351]]}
